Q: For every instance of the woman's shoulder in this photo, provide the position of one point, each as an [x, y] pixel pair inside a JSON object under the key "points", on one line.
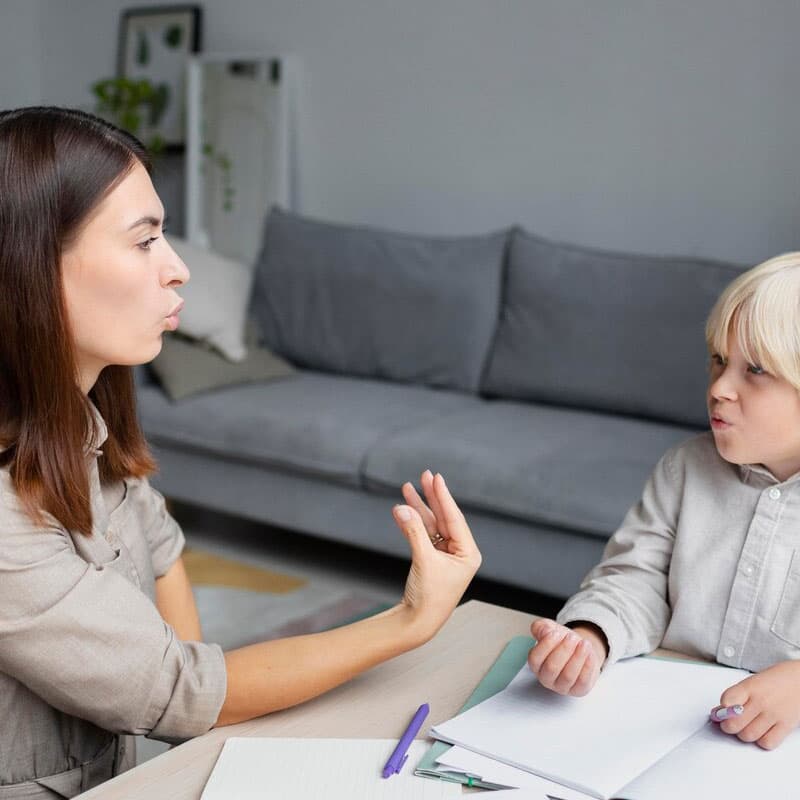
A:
{"points": [[22, 540]]}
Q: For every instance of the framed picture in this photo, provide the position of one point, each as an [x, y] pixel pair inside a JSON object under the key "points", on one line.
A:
{"points": [[154, 44]]}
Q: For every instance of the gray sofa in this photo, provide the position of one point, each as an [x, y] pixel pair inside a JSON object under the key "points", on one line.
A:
{"points": [[543, 380]]}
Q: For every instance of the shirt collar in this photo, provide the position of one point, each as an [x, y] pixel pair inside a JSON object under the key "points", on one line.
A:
{"points": [[746, 470], [98, 432]]}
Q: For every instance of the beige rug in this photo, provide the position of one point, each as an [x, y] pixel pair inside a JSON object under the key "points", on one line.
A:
{"points": [[240, 603]]}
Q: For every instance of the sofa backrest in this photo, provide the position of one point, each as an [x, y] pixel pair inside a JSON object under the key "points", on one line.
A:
{"points": [[374, 303], [605, 331]]}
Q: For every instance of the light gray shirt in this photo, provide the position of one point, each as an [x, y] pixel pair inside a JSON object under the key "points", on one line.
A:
{"points": [[706, 563], [85, 656]]}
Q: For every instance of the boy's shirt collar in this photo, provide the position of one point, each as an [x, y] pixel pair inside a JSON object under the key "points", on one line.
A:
{"points": [[745, 470]]}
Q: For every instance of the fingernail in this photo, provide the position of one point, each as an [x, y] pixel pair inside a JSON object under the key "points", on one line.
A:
{"points": [[404, 513]]}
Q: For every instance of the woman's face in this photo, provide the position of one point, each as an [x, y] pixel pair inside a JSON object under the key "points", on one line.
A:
{"points": [[120, 278]]}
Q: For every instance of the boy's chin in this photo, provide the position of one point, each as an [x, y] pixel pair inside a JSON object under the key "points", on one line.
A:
{"points": [[731, 454]]}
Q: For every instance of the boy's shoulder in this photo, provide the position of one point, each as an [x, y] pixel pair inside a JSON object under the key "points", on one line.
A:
{"points": [[697, 452]]}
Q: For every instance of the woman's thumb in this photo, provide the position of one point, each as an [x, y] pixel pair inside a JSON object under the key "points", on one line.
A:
{"points": [[410, 522]]}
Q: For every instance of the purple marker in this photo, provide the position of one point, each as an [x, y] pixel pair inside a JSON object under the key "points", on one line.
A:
{"points": [[721, 713], [399, 757]]}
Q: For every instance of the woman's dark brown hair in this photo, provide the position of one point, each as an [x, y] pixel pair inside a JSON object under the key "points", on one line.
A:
{"points": [[56, 166]]}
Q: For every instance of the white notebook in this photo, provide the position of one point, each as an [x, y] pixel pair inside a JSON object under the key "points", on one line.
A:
{"points": [[334, 769], [642, 733]]}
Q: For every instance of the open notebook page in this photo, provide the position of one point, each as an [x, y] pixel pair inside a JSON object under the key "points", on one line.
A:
{"points": [[336, 769], [714, 764], [639, 711]]}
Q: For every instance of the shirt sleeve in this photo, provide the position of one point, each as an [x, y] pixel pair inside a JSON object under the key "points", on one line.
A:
{"points": [[164, 536], [626, 594], [92, 645]]}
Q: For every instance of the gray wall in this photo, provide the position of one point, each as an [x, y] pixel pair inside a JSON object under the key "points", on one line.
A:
{"points": [[633, 124], [20, 53]]}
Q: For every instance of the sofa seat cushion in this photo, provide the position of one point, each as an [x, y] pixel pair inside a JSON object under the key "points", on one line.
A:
{"points": [[562, 467], [312, 423]]}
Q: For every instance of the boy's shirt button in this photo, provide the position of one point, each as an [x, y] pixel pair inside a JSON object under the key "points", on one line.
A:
{"points": [[774, 493]]}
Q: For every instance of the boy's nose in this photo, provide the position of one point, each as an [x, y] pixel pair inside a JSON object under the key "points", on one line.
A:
{"points": [[722, 388]]}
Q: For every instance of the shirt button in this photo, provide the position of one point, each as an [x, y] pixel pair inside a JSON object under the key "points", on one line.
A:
{"points": [[748, 570], [728, 652], [774, 493]]}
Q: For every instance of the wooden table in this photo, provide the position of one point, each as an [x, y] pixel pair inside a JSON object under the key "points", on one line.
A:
{"points": [[376, 705]]}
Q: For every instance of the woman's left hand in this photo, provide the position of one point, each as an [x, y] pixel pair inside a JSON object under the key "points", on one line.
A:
{"points": [[444, 555], [771, 700]]}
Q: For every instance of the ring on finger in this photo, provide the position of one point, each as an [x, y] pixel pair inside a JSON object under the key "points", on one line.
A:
{"points": [[436, 538]]}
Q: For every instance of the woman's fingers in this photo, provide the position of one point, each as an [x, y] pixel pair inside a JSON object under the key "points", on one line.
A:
{"points": [[444, 524], [410, 522], [433, 501], [452, 521], [411, 496]]}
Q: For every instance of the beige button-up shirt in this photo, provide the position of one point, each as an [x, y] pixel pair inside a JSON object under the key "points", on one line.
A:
{"points": [[707, 563], [85, 657]]}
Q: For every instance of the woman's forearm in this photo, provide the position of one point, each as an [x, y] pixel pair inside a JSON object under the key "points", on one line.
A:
{"points": [[278, 674], [176, 604]]}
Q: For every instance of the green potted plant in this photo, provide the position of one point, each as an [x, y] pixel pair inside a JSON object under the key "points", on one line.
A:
{"points": [[135, 105]]}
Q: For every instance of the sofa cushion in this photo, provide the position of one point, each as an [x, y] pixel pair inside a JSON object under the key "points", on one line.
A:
{"points": [[604, 330], [318, 424], [563, 467], [185, 367], [373, 303]]}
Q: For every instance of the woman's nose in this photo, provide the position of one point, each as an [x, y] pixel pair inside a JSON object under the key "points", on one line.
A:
{"points": [[176, 272]]}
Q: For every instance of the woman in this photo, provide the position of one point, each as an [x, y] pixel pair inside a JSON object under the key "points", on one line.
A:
{"points": [[99, 633]]}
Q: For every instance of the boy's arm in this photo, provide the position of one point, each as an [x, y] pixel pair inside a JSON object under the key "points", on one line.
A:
{"points": [[625, 595]]}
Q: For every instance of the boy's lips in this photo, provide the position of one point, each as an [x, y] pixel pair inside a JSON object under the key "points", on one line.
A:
{"points": [[718, 423]]}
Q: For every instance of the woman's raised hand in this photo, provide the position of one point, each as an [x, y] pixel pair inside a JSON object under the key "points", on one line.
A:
{"points": [[444, 556]]}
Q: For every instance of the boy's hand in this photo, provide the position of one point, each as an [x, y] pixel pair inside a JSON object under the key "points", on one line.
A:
{"points": [[771, 701], [567, 660]]}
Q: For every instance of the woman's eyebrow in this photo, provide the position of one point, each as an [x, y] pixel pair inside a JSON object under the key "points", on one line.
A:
{"points": [[153, 222]]}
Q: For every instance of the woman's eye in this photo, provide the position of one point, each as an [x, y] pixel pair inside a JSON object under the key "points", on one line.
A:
{"points": [[717, 360], [755, 369], [146, 244]]}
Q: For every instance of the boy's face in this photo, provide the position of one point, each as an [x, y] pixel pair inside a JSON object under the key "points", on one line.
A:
{"points": [[755, 416]]}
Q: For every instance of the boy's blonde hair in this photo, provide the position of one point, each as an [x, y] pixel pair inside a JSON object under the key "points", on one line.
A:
{"points": [[762, 309]]}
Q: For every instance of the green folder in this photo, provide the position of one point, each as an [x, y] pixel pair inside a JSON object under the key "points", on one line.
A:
{"points": [[508, 664]]}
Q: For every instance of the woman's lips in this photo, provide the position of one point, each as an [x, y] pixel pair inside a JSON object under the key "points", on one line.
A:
{"points": [[173, 319]]}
